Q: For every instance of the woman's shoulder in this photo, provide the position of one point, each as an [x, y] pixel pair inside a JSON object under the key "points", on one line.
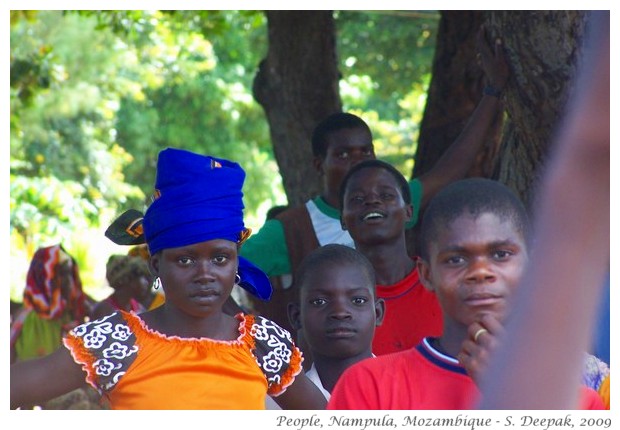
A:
{"points": [[263, 334], [99, 333], [106, 347], [262, 328], [274, 350]]}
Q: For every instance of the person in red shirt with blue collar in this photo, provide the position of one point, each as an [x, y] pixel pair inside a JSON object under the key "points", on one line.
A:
{"points": [[473, 254]]}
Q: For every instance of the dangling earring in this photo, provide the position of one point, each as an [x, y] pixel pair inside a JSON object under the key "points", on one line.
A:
{"points": [[237, 278], [157, 283]]}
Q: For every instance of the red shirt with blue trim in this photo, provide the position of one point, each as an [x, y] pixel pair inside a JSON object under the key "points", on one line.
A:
{"points": [[420, 378]]}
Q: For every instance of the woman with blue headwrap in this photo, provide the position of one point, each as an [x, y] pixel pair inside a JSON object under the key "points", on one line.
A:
{"points": [[187, 353]]}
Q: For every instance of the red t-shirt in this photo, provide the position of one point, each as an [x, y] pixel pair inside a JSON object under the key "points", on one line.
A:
{"points": [[419, 378], [411, 313]]}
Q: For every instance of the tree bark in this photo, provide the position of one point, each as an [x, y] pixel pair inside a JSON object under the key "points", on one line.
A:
{"points": [[544, 49], [297, 86], [454, 92]]}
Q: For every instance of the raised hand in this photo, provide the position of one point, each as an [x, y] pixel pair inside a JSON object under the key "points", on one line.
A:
{"points": [[493, 61]]}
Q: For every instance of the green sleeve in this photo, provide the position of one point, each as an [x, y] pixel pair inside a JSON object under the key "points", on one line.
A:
{"points": [[267, 249], [415, 188]]}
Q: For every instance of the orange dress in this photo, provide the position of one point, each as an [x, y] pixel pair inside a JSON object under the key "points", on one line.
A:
{"points": [[140, 368]]}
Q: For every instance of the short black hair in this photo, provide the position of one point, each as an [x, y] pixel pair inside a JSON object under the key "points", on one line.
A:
{"points": [[473, 196], [333, 254], [274, 211], [334, 122], [369, 164]]}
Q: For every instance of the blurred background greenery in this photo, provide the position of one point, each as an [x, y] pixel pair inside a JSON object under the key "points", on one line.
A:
{"points": [[95, 95]]}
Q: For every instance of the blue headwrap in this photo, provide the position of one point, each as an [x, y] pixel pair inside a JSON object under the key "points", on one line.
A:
{"points": [[199, 198]]}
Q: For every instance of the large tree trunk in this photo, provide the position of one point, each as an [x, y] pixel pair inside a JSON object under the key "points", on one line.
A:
{"points": [[544, 49], [297, 86], [453, 94]]}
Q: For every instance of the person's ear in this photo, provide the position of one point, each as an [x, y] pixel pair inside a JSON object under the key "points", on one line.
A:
{"points": [[424, 271], [342, 224], [379, 311], [154, 264], [409, 212], [317, 162], [294, 315]]}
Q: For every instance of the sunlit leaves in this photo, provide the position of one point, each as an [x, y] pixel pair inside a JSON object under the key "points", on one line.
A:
{"points": [[394, 48], [95, 95], [61, 142], [47, 206], [386, 61]]}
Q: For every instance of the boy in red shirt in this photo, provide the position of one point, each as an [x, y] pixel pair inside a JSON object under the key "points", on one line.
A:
{"points": [[376, 206], [473, 252]]}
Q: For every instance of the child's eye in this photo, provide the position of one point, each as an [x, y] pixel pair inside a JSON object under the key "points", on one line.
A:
{"points": [[501, 255], [387, 196], [318, 302], [185, 261], [220, 259], [359, 300], [455, 260], [342, 155]]}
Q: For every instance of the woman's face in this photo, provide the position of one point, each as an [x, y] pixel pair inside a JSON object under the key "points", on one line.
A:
{"points": [[64, 277], [198, 278]]}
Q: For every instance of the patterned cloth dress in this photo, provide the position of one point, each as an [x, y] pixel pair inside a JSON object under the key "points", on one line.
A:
{"points": [[136, 367]]}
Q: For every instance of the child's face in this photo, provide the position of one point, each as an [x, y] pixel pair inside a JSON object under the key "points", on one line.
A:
{"points": [[345, 148], [197, 279], [373, 206], [474, 265], [338, 311]]}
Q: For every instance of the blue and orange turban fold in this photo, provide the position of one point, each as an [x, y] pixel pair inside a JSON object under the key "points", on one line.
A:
{"points": [[198, 198]]}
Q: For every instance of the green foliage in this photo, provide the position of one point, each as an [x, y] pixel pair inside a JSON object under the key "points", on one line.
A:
{"points": [[46, 206], [386, 61], [95, 95], [391, 52], [64, 133], [203, 102]]}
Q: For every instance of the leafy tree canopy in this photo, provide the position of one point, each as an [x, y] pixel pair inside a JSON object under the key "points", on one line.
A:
{"points": [[95, 95]]}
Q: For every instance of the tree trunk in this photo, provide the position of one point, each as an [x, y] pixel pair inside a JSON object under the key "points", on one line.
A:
{"points": [[544, 49], [297, 86], [454, 92]]}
